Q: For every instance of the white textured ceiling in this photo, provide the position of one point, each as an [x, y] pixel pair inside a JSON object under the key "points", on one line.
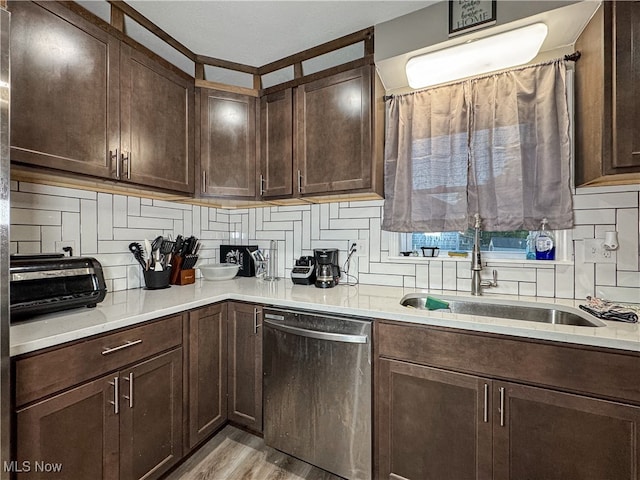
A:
{"points": [[258, 32]]}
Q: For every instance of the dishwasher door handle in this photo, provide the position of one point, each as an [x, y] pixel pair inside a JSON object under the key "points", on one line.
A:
{"points": [[303, 332]]}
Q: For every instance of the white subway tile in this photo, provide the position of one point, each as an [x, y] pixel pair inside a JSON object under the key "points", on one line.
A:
{"points": [[266, 214], [297, 242], [527, 289], [286, 216], [13, 248], [59, 191], [23, 216], [595, 217], [387, 280], [105, 216], [409, 282], [146, 201], [187, 223], [120, 210], [584, 273], [580, 232], [324, 216], [464, 270], [23, 233], [172, 205], [277, 226], [607, 189], [368, 212], [351, 223], [600, 230], [44, 202], [374, 240], [564, 281], [271, 235], [133, 206], [135, 234], [545, 280], [334, 210], [339, 235], [119, 284], [606, 200], [449, 275], [306, 230], [619, 294], [605, 274], [629, 279], [393, 268], [49, 236], [503, 288], [423, 278], [29, 247], [162, 212], [628, 237], [88, 227]]}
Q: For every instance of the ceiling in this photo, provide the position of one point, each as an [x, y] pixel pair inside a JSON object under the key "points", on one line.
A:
{"points": [[254, 32]]}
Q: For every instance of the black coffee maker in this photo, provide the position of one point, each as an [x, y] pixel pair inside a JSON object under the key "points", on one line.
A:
{"points": [[327, 269]]}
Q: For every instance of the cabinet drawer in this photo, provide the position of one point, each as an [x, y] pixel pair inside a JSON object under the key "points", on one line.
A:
{"points": [[600, 372], [46, 373]]}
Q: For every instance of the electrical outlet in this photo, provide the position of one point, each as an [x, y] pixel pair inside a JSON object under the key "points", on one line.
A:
{"points": [[594, 252], [362, 247], [66, 243]]}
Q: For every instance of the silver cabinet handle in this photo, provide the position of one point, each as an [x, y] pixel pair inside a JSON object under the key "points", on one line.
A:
{"points": [[299, 182], [261, 185], [114, 158], [502, 406], [129, 397], [303, 332], [116, 395], [204, 181], [255, 321], [107, 350], [486, 404], [125, 158]]}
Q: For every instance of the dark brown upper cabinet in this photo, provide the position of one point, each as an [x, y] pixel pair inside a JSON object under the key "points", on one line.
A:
{"points": [[276, 144], [339, 134], [86, 103], [156, 137], [227, 144], [64, 90], [608, 96]]}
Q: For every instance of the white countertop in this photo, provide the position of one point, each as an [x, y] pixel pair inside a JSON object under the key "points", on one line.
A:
{"points": [[129, 307]]}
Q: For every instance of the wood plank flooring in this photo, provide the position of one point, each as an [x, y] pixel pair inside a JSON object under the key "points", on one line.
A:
{"points": [[233, 454]]}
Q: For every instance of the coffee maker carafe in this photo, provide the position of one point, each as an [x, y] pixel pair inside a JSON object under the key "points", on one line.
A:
{"points": [[327, 269]]}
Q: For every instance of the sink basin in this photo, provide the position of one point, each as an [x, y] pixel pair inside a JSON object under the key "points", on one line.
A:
{"points": [[553, 314]]}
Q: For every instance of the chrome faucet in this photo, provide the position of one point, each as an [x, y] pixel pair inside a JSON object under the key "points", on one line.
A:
{"points": [[476, 264]]}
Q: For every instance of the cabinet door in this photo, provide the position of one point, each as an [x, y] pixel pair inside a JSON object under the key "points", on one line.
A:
{"points": [[64, 90], [544, 434], [76, 431], [151, 416], [157, 136], [626, 38], [245, 365], [276, 144], [431, 424], [334, 126], [227, 144], [207, 371]]}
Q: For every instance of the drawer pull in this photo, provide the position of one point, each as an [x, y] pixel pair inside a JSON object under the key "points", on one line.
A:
{"points": [[129, 343], [116, 395], [256, 325], [486, 404], [129, 397], [501, 406]]}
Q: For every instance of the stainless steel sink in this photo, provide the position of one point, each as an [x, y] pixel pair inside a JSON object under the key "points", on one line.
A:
{"points": [[554, 314]]}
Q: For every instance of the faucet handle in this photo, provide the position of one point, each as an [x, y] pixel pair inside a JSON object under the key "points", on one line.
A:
{"points": [[490, 283]]}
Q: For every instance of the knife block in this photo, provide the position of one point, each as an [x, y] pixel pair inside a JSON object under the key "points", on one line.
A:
{"points": [[186, 277]]}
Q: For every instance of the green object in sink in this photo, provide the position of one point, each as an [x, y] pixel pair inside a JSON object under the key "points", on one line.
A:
{"points": [[435, 304]]}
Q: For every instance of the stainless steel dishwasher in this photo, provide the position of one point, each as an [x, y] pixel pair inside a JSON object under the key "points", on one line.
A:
{"points": [[317, 389]]}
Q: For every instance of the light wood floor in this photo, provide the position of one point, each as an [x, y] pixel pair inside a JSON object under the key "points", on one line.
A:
{"points": [[237, 455]]}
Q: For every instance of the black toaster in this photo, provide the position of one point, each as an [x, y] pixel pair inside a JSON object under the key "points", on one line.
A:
{"points": [[52, 282]]}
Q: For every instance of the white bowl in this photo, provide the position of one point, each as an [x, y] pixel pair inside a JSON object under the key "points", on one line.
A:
{"points": [[219, 271]]}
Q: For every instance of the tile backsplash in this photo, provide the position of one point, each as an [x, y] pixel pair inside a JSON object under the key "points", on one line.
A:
{"points": [[45, 218]]}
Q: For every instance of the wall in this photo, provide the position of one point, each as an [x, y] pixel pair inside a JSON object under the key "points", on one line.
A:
{"points": [[102, 225]]}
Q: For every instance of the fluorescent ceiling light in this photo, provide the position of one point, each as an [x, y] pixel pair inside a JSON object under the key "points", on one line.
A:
{"points": [[489, 54]]}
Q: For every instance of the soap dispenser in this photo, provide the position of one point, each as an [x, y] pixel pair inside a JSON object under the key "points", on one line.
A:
{"points": [[545, 243]]}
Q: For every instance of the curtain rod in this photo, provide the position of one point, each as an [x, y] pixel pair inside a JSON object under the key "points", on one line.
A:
{"points": [[571, 57]]}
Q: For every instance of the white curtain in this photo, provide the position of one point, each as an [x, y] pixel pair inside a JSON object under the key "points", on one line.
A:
{"points": [[496, 145]]}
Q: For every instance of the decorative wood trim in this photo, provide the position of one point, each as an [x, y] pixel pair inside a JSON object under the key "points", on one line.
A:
{"points": [[200, 71], [361, 62], [227, 88], [152, 27], [117, 18], [217, 62], [257, 82], [327, 47]]}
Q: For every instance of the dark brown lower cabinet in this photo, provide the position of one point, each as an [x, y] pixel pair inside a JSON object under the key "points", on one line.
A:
{"points": [[51, 432], [126, 425], [550, 435], [207, 371], [435, 424], [245, 365]]}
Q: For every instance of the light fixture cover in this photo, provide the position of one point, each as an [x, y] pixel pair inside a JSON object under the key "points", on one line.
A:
{"points": [[484, 55]]}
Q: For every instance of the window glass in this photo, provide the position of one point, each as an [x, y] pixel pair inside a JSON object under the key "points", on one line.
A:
{"points": [[507, 242]]}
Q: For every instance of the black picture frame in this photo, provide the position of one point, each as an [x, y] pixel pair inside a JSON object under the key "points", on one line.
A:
{"points": [[469, 15]]}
